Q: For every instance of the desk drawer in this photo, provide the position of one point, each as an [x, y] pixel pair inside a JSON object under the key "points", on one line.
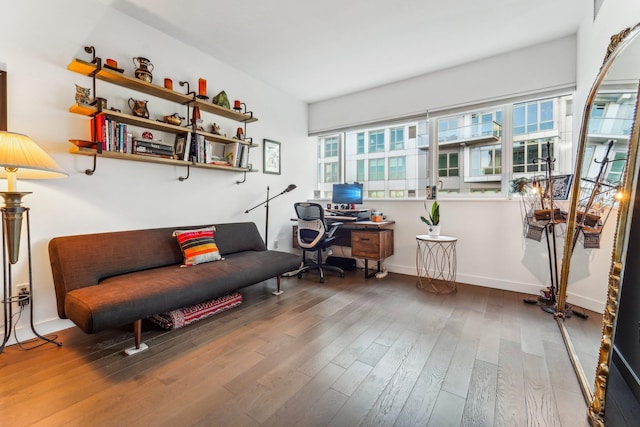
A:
{"points": [[372, 244]]}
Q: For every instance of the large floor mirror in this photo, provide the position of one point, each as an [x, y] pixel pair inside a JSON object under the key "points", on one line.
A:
{"points": [[606, 183]]}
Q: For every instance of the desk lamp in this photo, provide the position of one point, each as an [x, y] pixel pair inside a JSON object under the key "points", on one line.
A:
{"points": [[20, 157]]}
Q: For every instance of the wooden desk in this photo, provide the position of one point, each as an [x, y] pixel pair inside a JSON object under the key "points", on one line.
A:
{"points": [[368, 240]]}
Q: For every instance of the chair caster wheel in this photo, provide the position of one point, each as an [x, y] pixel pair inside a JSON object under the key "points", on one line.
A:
{"points": [[341, 274], [299, 275], [322, 280]]}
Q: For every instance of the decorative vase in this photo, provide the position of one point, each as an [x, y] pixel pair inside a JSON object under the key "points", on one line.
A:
{"points": [[434, 230], [145, 67]]}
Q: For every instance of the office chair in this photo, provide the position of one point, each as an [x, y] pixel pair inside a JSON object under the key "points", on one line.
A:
{"points": [[314, 236]]}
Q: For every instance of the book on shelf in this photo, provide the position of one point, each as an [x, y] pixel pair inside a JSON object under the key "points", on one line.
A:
{"points": [[150, 147], [155, 144], [197, 151], [232, 153], [181, 146], [244, 157], [164, 156]]}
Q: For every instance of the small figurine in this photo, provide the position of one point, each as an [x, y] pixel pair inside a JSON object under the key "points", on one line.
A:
{"points": [[215, 129]]}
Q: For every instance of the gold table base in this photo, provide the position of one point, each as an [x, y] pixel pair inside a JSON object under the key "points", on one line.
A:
{"points": [[436, 263]]}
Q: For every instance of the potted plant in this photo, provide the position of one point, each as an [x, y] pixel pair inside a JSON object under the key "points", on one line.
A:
{"points": [[433, 222]]}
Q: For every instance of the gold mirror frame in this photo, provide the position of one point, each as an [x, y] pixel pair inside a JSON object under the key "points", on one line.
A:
{"points": [[596, 399]]}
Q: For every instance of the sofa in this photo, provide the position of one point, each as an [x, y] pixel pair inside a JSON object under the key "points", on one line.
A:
{"points": [[111, 279]]}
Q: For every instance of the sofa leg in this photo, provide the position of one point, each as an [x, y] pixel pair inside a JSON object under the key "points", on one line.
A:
{"points": [[137, 336], [278, 291]]}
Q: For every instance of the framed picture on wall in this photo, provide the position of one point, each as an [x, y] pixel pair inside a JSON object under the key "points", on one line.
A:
{"points": [[271, 156]]}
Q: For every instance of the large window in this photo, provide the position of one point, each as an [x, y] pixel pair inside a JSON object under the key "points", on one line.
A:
{"points": [[471, 152]]}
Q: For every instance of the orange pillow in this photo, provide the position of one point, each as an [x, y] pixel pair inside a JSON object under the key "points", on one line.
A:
{"points": [[198, 246]]}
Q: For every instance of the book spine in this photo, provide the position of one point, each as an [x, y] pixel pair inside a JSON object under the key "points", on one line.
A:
{"points": [[187, 147], [150, 144]]}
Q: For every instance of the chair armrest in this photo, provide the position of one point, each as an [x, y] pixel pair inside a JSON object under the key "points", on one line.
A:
{"points": [[332, 229]]}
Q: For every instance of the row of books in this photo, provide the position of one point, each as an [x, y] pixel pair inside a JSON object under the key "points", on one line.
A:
{"points": [[201, 150], [190, 146], [112, 135]]}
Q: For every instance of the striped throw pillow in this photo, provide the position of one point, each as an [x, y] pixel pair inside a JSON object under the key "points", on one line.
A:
{"points": [[198, 246]]}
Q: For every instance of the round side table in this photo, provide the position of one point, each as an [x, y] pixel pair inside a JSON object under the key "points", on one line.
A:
{"points": [[436, 263]]}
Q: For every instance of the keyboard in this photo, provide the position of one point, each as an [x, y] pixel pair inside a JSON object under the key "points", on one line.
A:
{"points": [[340, 218]]}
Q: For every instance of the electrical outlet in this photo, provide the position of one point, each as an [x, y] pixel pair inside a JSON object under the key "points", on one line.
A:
{"points": [[23, 295], [275, 244]]}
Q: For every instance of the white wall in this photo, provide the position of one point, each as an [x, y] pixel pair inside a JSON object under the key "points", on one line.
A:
{"points": [[39, 40]]}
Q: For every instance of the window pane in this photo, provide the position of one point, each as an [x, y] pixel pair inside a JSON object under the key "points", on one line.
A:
{"points": [[376, 141], [331, 172], [331, 147], [397, 169], [376, 170], [360, 143], [397, 138], [518, 119], [360, 171], [532, 117]]}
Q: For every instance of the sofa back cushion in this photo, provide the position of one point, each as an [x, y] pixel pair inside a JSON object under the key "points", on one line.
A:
{"points": [[238, 237]]}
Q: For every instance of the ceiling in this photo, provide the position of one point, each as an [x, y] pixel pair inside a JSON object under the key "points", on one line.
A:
{"points": [[315, 50]]}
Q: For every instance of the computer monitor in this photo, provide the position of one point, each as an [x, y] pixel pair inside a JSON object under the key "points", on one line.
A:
{"points": [[347, 194]]}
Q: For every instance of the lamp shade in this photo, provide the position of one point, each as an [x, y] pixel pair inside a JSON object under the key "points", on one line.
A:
{"points": [[21, 156]]}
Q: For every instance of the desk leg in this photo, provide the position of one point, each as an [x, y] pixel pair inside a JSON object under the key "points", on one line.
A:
{"points": [[368, 275]]}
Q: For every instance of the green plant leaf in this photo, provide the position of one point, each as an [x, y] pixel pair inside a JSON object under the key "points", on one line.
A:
{"points": [[434, 214]]}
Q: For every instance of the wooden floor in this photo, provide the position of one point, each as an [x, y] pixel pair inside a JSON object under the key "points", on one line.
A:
{"points": [[347, 352]]}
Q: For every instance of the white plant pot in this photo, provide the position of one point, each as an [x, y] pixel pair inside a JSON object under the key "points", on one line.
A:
{"points": [[434, 230]]}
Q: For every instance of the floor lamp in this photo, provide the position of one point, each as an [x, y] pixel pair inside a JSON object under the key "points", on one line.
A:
{"points": [[22, 158], [266, 203]]}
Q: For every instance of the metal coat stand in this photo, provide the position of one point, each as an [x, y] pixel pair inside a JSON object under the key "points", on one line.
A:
{"points": [[8, 298]]}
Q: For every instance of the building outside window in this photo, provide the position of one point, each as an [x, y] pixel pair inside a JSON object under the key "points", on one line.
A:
{"points": [[470, 153]]}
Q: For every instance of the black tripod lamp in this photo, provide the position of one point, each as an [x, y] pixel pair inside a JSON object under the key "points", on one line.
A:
{"points": [[22, 158], [266, 203]]}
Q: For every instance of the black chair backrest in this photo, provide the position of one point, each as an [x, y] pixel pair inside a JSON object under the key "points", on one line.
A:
{"points": [[312, 227]]}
